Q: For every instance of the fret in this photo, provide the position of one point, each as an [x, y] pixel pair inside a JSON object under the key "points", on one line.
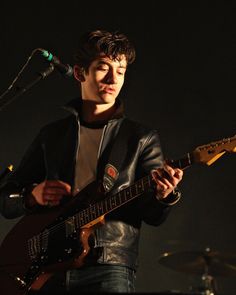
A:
{"points": [[142, 184], [100, 209], [86, 215], [69, 226], [106, 207], [76, 220], [92, 211], [111, 207], [97, 209], [133, 191], [127, 194], [122, 196], [80, 219], [109, 204], [113, 202], [149, 182], [182, 163], [136, 189], [118, 199], [139, 187]]}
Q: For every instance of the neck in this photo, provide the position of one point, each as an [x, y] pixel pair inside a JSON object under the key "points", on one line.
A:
{"points": [[92, 112]]}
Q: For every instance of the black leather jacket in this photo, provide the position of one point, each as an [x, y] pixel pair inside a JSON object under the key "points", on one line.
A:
{"points": [[52, 155]]}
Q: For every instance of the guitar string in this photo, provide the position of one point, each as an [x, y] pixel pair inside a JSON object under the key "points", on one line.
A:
{"points": [[85, 212], [44, 235]]}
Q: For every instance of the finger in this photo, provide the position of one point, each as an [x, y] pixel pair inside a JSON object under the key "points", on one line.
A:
{"points": [[55, 190], [164, 173], [174, 174], [51, 197], [162, 183], [58, 183], [161, 186], [179, 173], [169, 170], [173, 171], [157, 174], [165, 177], [52, 203]]}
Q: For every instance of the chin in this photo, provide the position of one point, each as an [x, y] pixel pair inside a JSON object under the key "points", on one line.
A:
{"points": [[108, 98]]}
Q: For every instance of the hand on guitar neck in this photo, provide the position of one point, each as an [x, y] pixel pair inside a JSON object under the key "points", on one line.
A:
{"points": [[166, 179]]}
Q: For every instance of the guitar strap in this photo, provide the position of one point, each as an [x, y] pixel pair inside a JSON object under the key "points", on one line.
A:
{"points": [[118, 154]]}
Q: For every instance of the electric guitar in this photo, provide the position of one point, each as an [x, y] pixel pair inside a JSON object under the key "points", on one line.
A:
{"points": [[57, 238]]}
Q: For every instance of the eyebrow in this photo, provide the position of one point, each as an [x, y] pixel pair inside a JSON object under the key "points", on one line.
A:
{"points": [[102, 61]]}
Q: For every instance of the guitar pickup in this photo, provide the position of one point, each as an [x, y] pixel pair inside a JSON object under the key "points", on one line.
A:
{"points": [[70, 226]]}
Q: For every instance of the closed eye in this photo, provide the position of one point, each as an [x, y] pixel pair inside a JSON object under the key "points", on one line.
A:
{"points": [[121, 73], [103, 69]]}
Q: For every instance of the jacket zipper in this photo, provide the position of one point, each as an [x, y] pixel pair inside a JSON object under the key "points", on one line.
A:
{"points": [[76, 152], [101, 141]]}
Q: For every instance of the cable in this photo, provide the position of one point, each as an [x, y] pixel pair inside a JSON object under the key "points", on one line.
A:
{"points": [[20, 72]]}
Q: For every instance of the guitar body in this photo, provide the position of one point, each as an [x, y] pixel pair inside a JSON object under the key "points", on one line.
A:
{"points": [[43, 243]]}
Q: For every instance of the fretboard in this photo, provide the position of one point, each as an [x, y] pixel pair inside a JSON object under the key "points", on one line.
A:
{"points": [[112, 202], [182, 163]]}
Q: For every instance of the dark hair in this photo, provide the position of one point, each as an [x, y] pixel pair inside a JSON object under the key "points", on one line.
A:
{"points": [[112, 44]]}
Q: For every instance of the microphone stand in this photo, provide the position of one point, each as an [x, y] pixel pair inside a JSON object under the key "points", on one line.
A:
{"points": [[20, 91], [6, 172]]}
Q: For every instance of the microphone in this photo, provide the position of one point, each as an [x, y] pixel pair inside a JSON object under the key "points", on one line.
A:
{"points": [[64, 69]]}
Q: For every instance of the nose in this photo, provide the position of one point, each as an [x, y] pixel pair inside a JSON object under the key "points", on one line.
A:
{"points": [[111, 77]]}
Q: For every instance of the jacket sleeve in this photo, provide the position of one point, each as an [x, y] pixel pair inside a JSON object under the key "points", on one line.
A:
{"points": [[13, 189], [152, 211]]}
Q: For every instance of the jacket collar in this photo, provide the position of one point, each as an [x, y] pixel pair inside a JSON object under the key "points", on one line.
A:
{"points": [[74, 106]]}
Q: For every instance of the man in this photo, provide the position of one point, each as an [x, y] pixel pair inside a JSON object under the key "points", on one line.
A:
{"points": [[71, 153]]}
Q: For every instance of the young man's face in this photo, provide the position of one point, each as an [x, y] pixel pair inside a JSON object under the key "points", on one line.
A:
{"points": [[104, 80]]}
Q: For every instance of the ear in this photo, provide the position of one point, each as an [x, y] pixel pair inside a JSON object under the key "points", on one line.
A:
{"points": [[79, 73]]}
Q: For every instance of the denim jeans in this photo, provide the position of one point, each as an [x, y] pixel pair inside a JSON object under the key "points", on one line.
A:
{"points": [[91, 279], [101, 278]]}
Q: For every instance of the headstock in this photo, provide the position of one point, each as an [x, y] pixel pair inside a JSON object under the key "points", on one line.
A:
{"points": [[211, 152]]}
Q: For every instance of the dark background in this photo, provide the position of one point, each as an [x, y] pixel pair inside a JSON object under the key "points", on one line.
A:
{"points": [[182, 83]]}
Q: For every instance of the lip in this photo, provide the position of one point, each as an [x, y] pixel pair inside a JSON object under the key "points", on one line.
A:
{"points": [[109, 90]]}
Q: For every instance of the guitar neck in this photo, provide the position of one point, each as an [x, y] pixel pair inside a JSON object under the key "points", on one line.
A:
{"points": [[182, 163], [112, 202]]}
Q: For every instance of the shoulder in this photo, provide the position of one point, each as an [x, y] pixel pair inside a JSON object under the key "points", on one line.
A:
{"points": [[140, 129], [59, 125]]}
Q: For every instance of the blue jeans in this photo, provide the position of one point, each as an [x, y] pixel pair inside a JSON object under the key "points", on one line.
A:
{"points": [[101, 278], [98, 278]]}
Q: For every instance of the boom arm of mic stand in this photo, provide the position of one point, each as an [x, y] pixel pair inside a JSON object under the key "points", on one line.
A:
{"points": [[41, 75]]}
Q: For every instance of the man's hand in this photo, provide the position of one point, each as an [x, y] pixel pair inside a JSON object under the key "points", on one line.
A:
{"points": [[166, 178], [49, 193]]}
